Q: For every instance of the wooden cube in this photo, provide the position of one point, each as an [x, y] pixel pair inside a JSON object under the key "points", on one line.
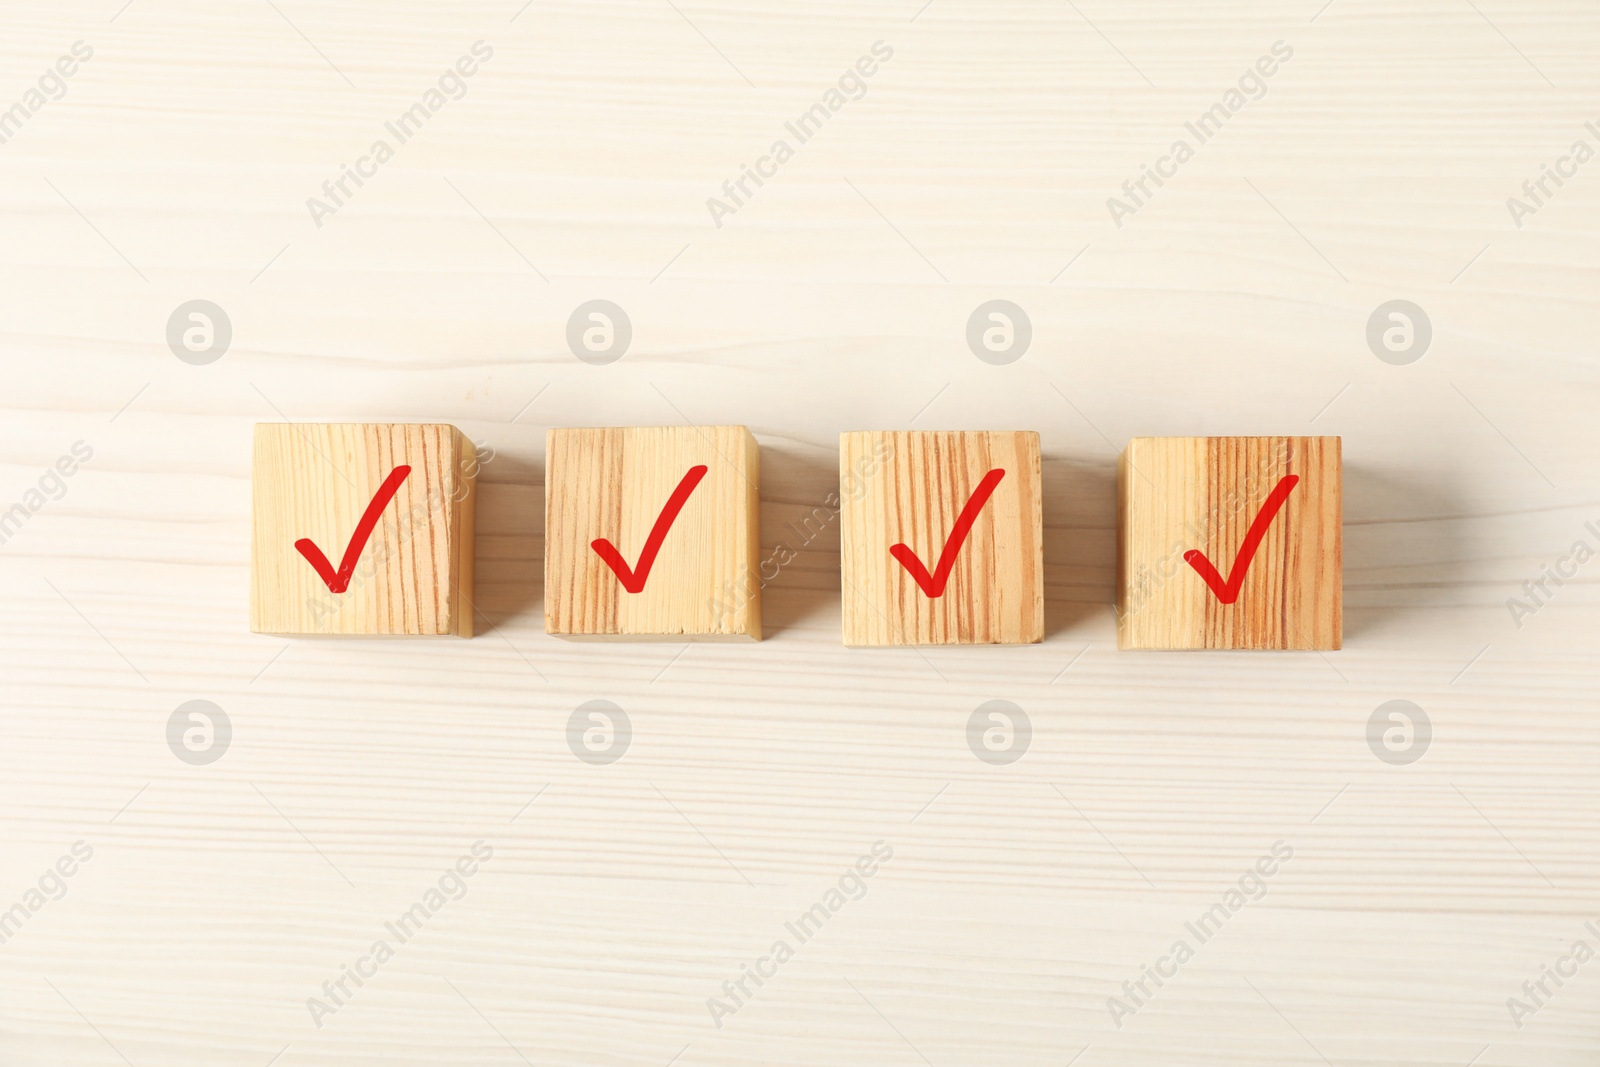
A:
{"points": [[362, 529], [1229, 543], [942, 537], [652, 532]]}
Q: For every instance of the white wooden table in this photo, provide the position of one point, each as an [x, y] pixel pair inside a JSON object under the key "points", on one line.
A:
{"points": [[620, 897]]}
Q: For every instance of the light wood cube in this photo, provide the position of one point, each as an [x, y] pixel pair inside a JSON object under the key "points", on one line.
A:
{"points": [[910, 576], [1230, 543], [652, 532], [319, 489]]}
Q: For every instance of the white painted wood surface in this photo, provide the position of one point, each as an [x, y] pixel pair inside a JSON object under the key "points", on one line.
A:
{"points": [[619, 898]]}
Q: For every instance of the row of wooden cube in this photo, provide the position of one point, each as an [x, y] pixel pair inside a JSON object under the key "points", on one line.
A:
{"points": [[654, 532]]}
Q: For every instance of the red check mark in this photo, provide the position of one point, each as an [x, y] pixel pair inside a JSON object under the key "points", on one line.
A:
{"points": [[1228, 591], [933, 584], [633, 578], [340, 581]]}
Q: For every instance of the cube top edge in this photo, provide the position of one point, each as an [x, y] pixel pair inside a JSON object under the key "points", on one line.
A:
{"points": [[353, 425], [1238, 437], [551, 430], [937, 433]]}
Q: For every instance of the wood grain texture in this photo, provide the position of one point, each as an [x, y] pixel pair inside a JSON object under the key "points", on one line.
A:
{"points": [[899, 487], [621, 897], [1182, 494], [613, 483], [315, 481]]}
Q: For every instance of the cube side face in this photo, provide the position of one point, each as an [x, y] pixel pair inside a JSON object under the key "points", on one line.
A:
{"points": [[614, 483], [465, 534], [315, 482], [909, 487], [1183, 494], [750, 534]]}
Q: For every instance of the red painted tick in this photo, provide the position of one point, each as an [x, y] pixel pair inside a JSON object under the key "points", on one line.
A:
{"points": [[633, 579], [933, 584], [339, 581], [1228, 591]]}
